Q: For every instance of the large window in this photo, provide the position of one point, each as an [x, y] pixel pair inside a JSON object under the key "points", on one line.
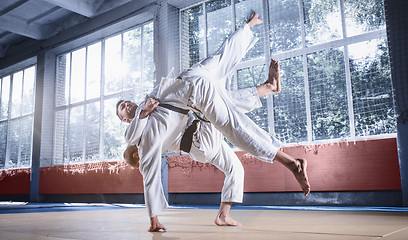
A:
{"points": [[16, 118], [90, 81], [333, 54]]}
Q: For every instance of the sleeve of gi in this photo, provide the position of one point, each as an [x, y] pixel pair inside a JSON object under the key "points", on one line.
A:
{"points": [[246, 99]]}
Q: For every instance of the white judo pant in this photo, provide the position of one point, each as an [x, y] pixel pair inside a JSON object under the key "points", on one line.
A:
{"points": [[210, 97], [209, 147]]}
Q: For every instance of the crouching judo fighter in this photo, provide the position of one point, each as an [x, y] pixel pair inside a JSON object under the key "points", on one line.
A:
{"points": [[202, 89]]}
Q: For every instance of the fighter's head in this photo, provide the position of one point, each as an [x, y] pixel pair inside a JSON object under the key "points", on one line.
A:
{"points": [[131, 156], [125, 110]]}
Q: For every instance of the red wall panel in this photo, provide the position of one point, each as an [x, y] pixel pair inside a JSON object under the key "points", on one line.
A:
{"points": [[16, 181], [90, 178], [345, 166]]}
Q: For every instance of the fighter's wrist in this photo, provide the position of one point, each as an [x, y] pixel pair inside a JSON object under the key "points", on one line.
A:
{"points": [[143, 114]]}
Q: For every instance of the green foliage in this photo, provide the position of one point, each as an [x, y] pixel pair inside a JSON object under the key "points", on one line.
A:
{"points": [[328, 94], [368, 13], [372, 94], [285, 29], [289, 105]]}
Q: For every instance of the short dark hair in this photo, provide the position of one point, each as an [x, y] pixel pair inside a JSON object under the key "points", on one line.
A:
{"points": [[129, 158], [117, 106]]}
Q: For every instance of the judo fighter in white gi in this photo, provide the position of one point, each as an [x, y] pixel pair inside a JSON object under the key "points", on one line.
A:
{"points": [[202, 89]]}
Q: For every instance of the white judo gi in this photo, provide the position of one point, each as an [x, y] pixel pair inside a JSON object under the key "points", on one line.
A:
{"points": [[200, 88]]}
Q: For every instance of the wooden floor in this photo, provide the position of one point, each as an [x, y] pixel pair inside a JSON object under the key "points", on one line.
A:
{"points": [[98, 222]]}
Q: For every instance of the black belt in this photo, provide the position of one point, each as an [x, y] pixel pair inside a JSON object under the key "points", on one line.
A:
{"points": [[174, 108], [187, 138]]}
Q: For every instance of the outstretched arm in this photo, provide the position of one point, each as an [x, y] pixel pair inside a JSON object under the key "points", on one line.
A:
{"points": [[150, 151]]}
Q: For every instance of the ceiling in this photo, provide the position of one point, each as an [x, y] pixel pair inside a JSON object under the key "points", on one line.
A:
{"points": [[22, 20]]}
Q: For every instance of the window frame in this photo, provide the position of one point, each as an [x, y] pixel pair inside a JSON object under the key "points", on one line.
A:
{"points": [[103, 97], [302, 52], [10, 72]]}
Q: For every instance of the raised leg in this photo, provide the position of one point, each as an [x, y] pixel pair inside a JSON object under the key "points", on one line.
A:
{"points": [[233, 50]]}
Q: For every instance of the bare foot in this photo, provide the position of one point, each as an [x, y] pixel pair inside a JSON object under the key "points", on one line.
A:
{"points": [[155, 225], [274, 76], [255, 20], [301, 175], [223, 220]]}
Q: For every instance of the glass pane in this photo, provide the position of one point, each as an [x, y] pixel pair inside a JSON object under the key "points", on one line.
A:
{"points": [[322, 21], [132, 58], [364, 16], [92, 132], [372, 88], [290, 104], [113, 132], [113, 64], [193, 30], [328, 94], [93, 71], [28, 91], [243, 11], [148, 60], [25, 141], [219, 24], [250, 77], [16, 94], [62, 81], [13, 143], [78, 75], [76, 134], [61, 137], [5, 97], [284, 21], [3, 144]]}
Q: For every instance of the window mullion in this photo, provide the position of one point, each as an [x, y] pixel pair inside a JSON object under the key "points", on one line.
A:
{"points": [[269, 99], [348, 74], [121, 56], [69, 109], [20, 122], [6, 165], [102, 104], [141, 54], [233, 15], [306, 75], [205, 31], [1, 89], [233, 78], [85, 132]]}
